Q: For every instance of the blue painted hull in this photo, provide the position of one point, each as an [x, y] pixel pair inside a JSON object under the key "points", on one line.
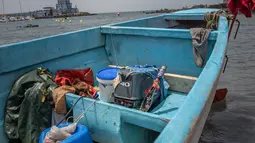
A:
{"points": [[180, 118]]}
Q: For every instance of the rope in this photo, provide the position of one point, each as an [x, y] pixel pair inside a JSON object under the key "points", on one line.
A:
{"points": [[212, 18]]}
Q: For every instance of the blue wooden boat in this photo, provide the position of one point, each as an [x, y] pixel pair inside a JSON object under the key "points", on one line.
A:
{"points": [[180, 118]]}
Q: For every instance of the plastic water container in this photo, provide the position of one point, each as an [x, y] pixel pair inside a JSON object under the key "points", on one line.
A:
{"points": [[105, 79], [81, 134]]}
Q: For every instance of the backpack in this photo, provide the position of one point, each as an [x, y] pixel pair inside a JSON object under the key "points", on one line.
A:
{"points": [[131, 85]]}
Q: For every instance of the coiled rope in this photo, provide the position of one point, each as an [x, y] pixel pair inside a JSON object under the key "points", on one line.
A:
{"points": [[212, 18]]}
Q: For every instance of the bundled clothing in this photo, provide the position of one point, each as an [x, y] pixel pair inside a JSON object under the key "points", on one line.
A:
{"points": [[59, 98], [80, 88], [72, 81]]}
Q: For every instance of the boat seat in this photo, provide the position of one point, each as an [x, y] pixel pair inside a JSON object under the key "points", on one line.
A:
{"points": [[178, 83]]}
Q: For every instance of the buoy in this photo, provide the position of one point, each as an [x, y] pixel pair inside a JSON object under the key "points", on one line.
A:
{"points": [[81, 21], [220, 95], [118, 14]]}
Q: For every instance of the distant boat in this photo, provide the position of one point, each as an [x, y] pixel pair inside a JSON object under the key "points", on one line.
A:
{"points": [[28, 18], [3, 20], [12, 19], [20, 18]]}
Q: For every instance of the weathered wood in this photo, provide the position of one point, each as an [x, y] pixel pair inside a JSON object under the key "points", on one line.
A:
{"points": [[179, 83]]}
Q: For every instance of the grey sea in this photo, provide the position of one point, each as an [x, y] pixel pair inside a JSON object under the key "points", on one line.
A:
{"points": [[233, 122]]}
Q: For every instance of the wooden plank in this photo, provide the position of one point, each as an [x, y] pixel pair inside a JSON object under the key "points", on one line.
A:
{"points": [[179, 83]]}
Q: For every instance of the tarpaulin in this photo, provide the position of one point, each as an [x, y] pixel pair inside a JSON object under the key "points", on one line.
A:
{"points": [[244, 6], [69, 77], [28, 107]]}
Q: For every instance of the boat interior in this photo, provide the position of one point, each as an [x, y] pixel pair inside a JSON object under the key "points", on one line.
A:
{"points": [[159, 40]]}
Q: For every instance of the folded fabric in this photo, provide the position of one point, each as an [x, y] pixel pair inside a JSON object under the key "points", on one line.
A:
{"points": [[59, 98]]}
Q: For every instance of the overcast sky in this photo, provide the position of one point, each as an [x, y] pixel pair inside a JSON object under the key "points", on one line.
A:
{"points": [[99, 6]]}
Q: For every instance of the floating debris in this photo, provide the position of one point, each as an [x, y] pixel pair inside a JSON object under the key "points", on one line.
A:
{"points": [[29, 26]]}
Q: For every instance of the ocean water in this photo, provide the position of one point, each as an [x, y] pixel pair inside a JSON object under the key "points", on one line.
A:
{"points": [[232, 122], [9, 33], [235, 121]]}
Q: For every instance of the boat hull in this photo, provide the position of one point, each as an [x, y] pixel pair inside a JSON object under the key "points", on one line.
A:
{"points": [[194, 135], [180, 118]]}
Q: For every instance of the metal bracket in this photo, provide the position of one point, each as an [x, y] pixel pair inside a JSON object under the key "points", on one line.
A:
{"points": [[226, 56], [231, 26], [237, 29]]}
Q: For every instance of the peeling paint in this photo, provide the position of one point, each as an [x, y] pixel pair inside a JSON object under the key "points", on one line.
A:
{"points": [[164, 119]]}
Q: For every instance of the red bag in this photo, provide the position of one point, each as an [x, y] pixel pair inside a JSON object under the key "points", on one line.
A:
{"points": [[69, 77]]}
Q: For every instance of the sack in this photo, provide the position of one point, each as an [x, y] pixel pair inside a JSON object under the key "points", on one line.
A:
{"points": [[132, 85]]}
